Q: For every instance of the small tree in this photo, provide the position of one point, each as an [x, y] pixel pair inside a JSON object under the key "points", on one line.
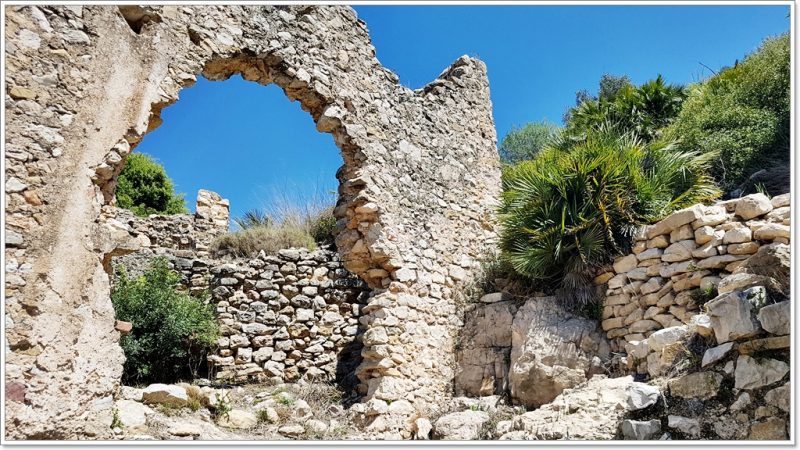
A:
{"points": [[172, 331], [144, 188], [521, 144]]}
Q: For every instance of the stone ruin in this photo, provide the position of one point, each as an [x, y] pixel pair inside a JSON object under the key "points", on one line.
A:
{"points": [[417, 190]]}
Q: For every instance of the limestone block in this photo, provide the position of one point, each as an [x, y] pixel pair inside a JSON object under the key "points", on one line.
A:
{"points": [[776, 318], [714, 354], [625, 264], [661, 338], [733, 315], [640, 430], [737, 235], [753, 205], [679, 251], [681, 233], [781, 200], [674, 221], [752, 373], [772, 231], [460, 426], [661, 241], [697, 385], [165, 394]]}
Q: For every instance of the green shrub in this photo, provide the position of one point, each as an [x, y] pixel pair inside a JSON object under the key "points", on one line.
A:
{"points": [[171, 331], [250, 241], [743, 114], [144, 188], [322, 226], [524, 143], [576, 205], [642, 110]]}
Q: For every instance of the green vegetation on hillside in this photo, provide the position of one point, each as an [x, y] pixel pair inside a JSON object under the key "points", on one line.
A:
{"points": [[172, 331], [144, 188]]}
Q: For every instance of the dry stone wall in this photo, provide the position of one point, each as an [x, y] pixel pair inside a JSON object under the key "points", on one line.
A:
{"points": [[288, 316], [417, 190], [681, 263]]}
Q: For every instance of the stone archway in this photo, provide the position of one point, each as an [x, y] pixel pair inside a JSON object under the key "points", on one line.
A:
{"points": [[417, 190]]}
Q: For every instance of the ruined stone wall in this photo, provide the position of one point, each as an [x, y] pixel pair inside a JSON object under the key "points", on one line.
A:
{"points": [[84, 84], [681, 265], [287, 316]]}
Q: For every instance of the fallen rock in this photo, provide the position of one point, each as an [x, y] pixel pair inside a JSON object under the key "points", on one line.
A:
{"points": [[640, 430], [641, 395], [697, 385], [292, 430], [752, 373], [132, 415], [239, 419], [165, 394], [590, 411], [687, 426], [460, 426], [185, 429], [316, 426]]}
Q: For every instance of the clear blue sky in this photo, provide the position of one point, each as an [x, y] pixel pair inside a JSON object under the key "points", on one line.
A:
{"points": [[248, 141]]}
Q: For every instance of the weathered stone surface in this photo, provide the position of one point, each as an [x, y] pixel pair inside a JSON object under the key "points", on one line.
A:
{"points": [[667, 336], [591, 411], [737, 281], [687, 426], [165, 394], [239, 419], [132, 415], [753, 205], [772, 231], [779, 397], [771, 429], [674, 221], [185, 429], [733, 315], [460, 426], [776, 318], [486, 348], [679, 251], [715, 354], [551, 351], [697, 385], [640, 430], [768, 343], [753, 373], [625, 264], [641, 396], [773, 261]]}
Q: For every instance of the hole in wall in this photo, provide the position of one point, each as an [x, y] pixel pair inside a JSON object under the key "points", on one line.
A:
{"points": [[138, 17]]}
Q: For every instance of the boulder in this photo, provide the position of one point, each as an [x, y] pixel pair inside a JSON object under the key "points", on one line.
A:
{"points": [[482, 360], [641, 396], [781, 200], [552, 349], [733, 315], [752, 206], [239, 419], [776, 318], [687, 426], [640, 430], [674, 221], [165, 394], [697, 385], [752, 373], [460, 426]]}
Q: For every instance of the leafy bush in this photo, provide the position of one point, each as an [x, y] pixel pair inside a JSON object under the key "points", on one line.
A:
{"points": [[576, 205], [253, 218], [322, 226], [524, 143], [642, 110], [743, 114], [171, 330], [251, 241], [144, 188]]}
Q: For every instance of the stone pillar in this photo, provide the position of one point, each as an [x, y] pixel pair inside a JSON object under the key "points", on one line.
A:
{"points": [[214, 209]]}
